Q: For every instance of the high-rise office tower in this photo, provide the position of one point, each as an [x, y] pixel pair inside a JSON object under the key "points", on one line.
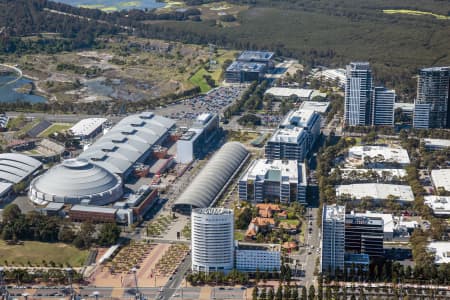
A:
{"points": [[212, 238], [364, 235], [382, 112], [358, 88], [433, 88], [333, 238]]}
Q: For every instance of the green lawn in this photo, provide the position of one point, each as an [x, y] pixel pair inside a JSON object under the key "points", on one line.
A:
{"points": [[290, 222], [239, 235], [57, 127], [197, 78], [35, 252]]}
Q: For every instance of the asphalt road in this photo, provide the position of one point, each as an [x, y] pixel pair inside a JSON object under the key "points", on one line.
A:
{"points": [[173, 285]]}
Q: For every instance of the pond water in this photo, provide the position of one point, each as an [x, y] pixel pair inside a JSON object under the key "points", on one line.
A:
{"points": [[8, 94], [115, 5]]}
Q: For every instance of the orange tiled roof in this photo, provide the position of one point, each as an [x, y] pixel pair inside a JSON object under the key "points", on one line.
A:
{"points": [[263, 221], [289, 245]]}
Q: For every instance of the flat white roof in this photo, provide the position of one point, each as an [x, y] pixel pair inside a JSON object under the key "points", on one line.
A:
{"points": [[378, 191], [287, 135], [87, 126], [404, 106], [399, 173], [333, 74], [334, 212], [438, 143], [276, 170], [441, 178], [441, 252], [388, 220], [439, 204], [298, 118], [287, 92], [384, 153], [318, 106]]}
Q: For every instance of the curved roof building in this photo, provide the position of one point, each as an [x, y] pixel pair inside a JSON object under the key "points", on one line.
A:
{"points": [[129, 141], [16, 167], [206, 187], [75, 180]]}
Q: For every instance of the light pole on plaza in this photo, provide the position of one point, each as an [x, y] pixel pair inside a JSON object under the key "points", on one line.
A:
{"points": [[138, 294], [3, 289], [69, 276], [95, 294]]}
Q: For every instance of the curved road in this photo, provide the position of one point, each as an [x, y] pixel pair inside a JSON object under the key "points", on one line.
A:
{"points": [[15, 69]]}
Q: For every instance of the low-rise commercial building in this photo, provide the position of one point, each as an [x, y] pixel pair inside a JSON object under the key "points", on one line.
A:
{"points": [[250, 258], [284, 93], [441, 179], [96, 214], [333, 75], [244, 72], [272, 180], [375, 191], [88, 128], [441, 251], [440, 205], [262, 57], [436, 144], [378, 156]]}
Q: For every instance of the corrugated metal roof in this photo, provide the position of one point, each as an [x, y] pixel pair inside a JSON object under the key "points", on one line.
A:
{"points": [[16, 167], [205, 187], [126, 142]]}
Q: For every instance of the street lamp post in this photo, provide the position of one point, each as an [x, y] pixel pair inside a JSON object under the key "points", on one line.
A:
{"points": [[69, 276], [138, 294]]}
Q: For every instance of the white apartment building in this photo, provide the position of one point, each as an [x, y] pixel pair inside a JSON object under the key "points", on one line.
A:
{"points": [[212, 239], [255, 257]]}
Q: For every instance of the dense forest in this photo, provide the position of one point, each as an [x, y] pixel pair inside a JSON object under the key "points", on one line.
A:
{"points": [[316, 32]]}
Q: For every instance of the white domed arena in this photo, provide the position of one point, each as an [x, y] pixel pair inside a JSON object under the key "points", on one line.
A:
{"points": [[76, 180]]}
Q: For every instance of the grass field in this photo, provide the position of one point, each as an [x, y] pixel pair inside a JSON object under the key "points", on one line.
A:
{"points": [[57, 127], [415, 13], [36, 252], [239, 235], [197, 78]]}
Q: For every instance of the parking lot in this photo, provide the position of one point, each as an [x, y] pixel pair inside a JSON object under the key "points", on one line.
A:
{"points": [[215, 101]]}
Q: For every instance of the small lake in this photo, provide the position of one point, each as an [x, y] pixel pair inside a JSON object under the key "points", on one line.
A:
{"points": [[8, 94], [115, 5]]}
